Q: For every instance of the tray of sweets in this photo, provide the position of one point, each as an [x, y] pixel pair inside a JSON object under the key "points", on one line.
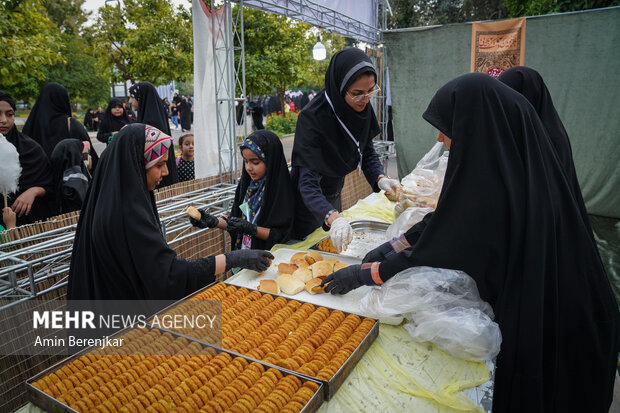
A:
{"points": [[367, 235], [160, 371], [315, 341]]}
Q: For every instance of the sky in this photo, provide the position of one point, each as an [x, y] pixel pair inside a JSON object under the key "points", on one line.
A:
{"points": [[93, 5]]}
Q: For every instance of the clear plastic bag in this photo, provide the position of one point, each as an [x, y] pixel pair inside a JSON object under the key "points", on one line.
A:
{"points": [[406, 220], [442, 306], [422, 186]]}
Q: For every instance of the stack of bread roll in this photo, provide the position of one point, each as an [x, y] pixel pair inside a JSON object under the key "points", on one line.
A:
{"points": [[298, 336], [173, 374], [305, 271]]}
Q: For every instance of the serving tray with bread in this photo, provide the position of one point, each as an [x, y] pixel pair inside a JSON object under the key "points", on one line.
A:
{"points": [[315, 341], [297, 274]]}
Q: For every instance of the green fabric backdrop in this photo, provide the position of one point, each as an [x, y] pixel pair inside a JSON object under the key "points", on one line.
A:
{"points": [[578, 55]]}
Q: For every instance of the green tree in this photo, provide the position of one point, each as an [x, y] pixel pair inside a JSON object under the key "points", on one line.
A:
{"points": [[278, 53], [518, 8], [416, 13], [145, 40], [30, 43]]}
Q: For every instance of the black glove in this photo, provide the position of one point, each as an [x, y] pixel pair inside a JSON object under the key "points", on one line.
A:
{"points": [[348, 278], [256, 260], [387, 249], [240, 225], [206, 221]]}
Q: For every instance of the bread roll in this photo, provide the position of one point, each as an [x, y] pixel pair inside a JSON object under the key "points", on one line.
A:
{"points": [[314, 286], [298, 255], [193, 212], [332, 260], [269, 286], [339, 266], [322, 269], [289, 284], [300, 262], [303, 274], [313, 256], [286, 268]]}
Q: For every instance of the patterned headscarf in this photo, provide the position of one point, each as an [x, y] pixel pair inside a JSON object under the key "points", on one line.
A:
{"points": [[256, 189], [156, 145]]}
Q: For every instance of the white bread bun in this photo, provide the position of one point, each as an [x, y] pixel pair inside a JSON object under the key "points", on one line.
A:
{"points": [[322, 269], [193, 212], [314, 286], [287, 268], [339, 266], [303, 274], [289, 284], [269, 286], [313, 256]]}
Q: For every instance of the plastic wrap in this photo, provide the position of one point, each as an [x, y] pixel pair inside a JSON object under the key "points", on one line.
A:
{"points": [[406, 220], [441, 306]]}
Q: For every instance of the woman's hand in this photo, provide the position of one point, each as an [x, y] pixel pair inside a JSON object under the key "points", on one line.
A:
{"points": [[257, 260], [23, 203], [9, 217], [206, 220], [341, 233], [236, 224]]}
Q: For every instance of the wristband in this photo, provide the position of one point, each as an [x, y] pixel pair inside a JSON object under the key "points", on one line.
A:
{"points": [[400, 243], [327, 216]]}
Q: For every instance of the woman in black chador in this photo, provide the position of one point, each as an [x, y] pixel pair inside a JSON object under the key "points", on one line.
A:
{"points": [[185, 115], [119, 250], [32, 202], [71, 176], [151, 110], [113, 120], [50, 121], [507, 216]]}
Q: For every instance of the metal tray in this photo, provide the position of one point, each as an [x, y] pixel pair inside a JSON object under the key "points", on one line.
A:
{"points": [[359, 226], [332, 385], [51, 405]]}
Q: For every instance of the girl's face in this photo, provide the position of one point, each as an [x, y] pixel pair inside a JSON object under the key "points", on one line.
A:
{"points": [[117, 111], [187, 148], [253, 165], [156, 173], [7, 117]]}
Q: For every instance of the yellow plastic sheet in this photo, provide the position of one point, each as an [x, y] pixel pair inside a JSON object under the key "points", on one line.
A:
{"points": [[399, 375]]}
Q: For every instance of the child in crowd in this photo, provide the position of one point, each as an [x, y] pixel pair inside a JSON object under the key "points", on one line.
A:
{"points": [[174, 115], [185, 161]]}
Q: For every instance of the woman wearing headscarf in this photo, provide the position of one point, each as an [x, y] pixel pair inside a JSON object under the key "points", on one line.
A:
{"points": [[88, 119], [334, 137], [71, 175], [113, 120], [31, 202], [151, 111], [185, 114], [119, 250], [50, 121], [263, 211], [507, 216]]}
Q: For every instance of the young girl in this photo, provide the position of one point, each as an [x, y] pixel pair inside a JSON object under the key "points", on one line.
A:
{"points": [[185, 162], [119, 250], [262, 213]]}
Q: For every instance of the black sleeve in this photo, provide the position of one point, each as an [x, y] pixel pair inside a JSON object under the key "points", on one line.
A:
{"points": [[413, 233], [371, 165], [103, 136], [310, 189], [78, 132]]}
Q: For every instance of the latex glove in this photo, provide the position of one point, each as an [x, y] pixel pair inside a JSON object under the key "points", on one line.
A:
{"points": [[257, 260], [341, 233], [348, 278], [206, 220], [385, 250], [389, 184], [236, 224]]}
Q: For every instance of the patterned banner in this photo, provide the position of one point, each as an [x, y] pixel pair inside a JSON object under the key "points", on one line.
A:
{"points": [[497, 46]]}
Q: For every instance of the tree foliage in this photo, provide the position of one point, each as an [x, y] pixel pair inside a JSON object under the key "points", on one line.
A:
{"points": [[416, 13], [278, 53], [145, 40], [30, 43], [517, 8]]}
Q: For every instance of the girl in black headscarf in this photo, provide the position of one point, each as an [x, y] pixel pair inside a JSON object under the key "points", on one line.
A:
{"points": [[506, 215], [88, 119], [114, 119], [119, 250], [31, 202], [151, 111], [264, 193], [50, 121], [71, 176], [334, 137], [185, 114]]}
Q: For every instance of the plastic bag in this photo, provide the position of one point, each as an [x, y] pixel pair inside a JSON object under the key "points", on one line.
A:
{"points": [[442, 306], [406, 220], [422, 186]]}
